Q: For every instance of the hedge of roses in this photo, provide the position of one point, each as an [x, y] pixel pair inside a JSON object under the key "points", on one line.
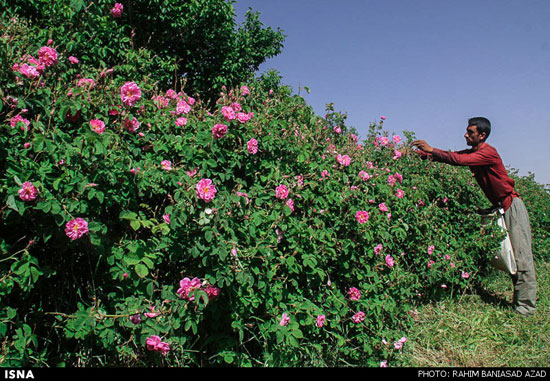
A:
{"points": [[139, 227]]}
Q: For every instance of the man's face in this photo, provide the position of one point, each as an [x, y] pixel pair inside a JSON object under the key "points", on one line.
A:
{"points": [[473, 138]]}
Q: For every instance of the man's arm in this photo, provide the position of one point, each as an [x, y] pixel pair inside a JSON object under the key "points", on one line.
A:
{"points": [[465, 157]]}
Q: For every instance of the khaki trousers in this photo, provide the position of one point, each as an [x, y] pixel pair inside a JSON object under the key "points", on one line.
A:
{"points": [[525, 285]]}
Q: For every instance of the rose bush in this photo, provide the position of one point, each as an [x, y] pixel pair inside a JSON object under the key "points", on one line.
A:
{"points": [[277, 239]]}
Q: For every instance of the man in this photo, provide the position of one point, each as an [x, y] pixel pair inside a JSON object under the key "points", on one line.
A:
{"points": [[490, 173]]}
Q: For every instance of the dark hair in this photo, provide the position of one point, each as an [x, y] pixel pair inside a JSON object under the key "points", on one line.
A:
{"points": [[482, 124]]}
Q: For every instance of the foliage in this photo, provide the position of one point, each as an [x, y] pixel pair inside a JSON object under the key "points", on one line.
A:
{"points": [[195, 41], [537, 201], [105, 200]]}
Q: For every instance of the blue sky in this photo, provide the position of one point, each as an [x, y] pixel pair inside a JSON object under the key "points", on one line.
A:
{"points": [[427, 65]]}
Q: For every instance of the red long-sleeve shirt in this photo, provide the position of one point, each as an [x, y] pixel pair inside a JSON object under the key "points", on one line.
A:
{"points": [[488, 169]]}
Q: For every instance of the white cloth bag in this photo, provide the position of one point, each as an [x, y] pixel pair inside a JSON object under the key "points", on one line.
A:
{"points": [[505, 259]]}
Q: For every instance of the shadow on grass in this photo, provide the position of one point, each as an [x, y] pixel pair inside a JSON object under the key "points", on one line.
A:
{"points": [[490, 297]]}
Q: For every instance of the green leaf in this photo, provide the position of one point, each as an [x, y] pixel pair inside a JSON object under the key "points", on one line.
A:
{"points": [[141, 270]]}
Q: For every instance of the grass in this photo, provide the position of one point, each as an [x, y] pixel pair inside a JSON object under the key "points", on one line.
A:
{"points": [[480, 329]]}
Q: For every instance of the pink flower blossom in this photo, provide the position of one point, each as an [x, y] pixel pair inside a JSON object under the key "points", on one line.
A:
{"points": [[384, 364], [362, 216], [244, 90], [166, 165], [344, 160], [320, 321], [219, 130], [337, 129], [364, 175], [285, 319], [281, 192], [206, 190], [187, 286], [354, 293], [166, 218], [28, 71], [181, 122], [399, 343], [383, 207], [325, 174], [431, 249], [244, 117], [399, 178], [153, 313], [389, 261], [396, 138], [382, 117], [154, 343], [465, 275], [130, 93], [97, 125], [212, 291], [86, 82], [28, 191], [228, 113], [396, 154], [116, 12], [252, 146], [18, 119], [76, 228], [358, 317], [182, 107], [132, 125], [290, 204], [47, 55], [399, 193], [73, 60], [378, 248]]}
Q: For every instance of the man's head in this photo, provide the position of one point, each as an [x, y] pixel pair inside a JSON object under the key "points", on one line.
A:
{"points": [[478, 131]]}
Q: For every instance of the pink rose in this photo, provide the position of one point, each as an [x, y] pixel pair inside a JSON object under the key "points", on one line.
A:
{"points": [[187, 286], [166, 218], [320, 321], [132, 125], [47, 56], [244, 90], [166, 165], [378, 248], [206, 190], [285, 319], [389, 261], [28, 191], [73, 60], [354, 293], [219, 130], [228, 113], [130, 93], [76, 228], [154, 343], [362, 216], [252, 146], [281, 192], [358, 317], [364, 176], [383, 207], [181, 122], [18, 119], [183, 107], [116, 12], [344, 160], [97, 125], [399, 193]]}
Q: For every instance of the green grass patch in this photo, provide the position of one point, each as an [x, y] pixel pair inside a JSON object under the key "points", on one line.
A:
{"points": [[480, 329]]}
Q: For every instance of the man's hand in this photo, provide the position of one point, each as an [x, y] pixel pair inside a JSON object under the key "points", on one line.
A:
{"points": [[422, 145]]}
